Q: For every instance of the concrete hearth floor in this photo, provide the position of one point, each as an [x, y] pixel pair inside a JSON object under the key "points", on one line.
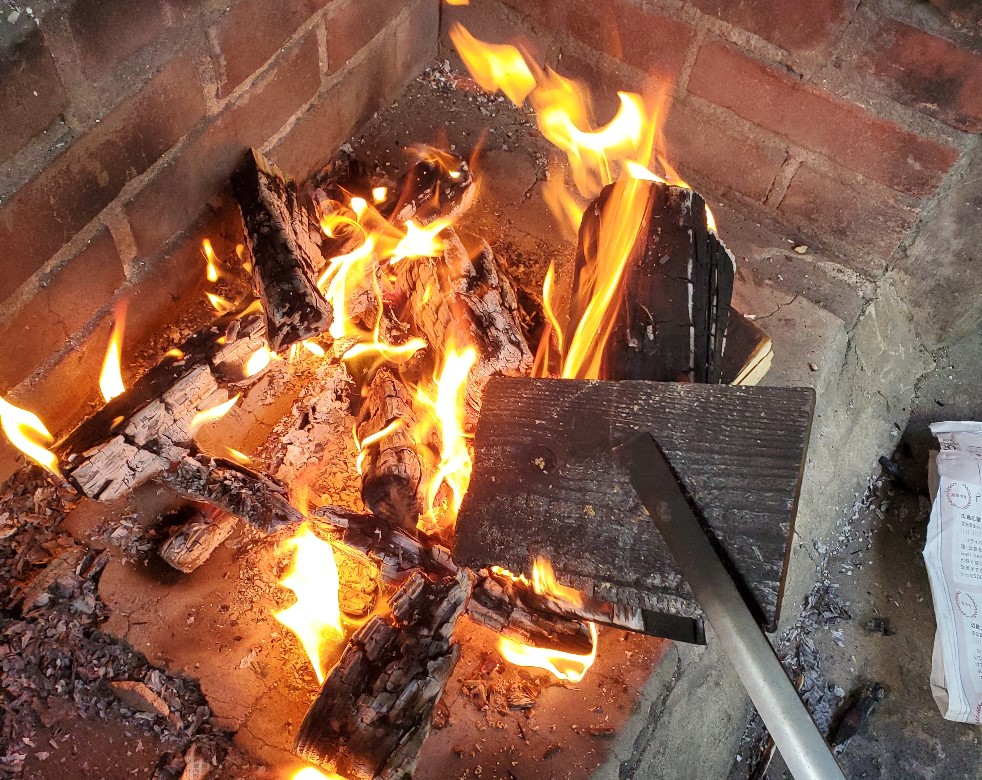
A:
{"points": [[650, 708]]}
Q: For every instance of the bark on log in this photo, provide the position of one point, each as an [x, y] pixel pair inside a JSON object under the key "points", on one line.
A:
{"points": [[674, 294], [283, 239], [394, 467], [545, 484], [190, 545], [376, 706], [464, 300]]}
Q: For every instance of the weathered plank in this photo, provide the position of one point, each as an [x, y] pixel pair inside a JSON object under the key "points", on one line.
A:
{"points": [[546, 484]]}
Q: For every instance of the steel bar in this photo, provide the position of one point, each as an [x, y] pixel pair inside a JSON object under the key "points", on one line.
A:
{"points": [[794, 732]]}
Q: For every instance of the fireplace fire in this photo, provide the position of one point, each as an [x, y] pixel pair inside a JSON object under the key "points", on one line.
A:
{"points": [[401, 436]]}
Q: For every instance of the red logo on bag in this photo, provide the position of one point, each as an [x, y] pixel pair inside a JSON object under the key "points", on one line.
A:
{"points": [[958, 494]]}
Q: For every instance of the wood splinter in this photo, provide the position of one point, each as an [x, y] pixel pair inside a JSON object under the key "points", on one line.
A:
{"points": [[376, 706]]}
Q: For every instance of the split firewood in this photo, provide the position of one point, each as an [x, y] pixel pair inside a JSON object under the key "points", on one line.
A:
{"points": [[375, 709], [393, 467], [463, 299], [675, 292], [283, 240], [192, 543]]}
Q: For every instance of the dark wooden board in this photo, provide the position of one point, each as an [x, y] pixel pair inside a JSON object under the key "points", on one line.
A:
{"points": [[545, 483]]}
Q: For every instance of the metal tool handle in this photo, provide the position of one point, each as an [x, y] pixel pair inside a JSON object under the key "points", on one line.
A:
{"points": [[794, 732]]}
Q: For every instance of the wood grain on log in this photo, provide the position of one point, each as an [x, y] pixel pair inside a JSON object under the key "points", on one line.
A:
{"points": [[283, 239], [546, 485], [375, 707], [461, 300], [674, 294], [394, 465]]}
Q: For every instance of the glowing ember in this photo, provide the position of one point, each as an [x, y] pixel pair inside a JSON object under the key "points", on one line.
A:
{"points": [[257, 361], [211, 269], [565, 666], [309, 773], [379, 194], [214, 413], [28, 434], [111, 378], [313, 577]]}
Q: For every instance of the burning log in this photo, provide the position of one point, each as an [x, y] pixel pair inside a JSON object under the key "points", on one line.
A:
{"points": [[462, 300], [392, 468], [375, 708], [193, 542], [439, 184], [505, 605], [675, 291], [545, 484], [283, 238]]}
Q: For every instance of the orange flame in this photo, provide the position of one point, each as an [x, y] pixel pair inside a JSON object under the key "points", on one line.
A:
{"points": [[211, 270], [111, 378], [420, 241], [571, 667], [257, 361], [313, 577], [218, 303], [211, 414], [494, 67], [310, 773], [443, 415], [28, 434]]}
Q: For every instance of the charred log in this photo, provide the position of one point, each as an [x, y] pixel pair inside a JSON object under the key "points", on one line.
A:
{"points": [[439, 184], [463, 299], [376, 706], [393, 466], [283, 240], [192, 543], [674, 294]]}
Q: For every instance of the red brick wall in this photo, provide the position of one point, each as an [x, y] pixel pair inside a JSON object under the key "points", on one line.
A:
{"points": [[120, 121], [837, 122]]}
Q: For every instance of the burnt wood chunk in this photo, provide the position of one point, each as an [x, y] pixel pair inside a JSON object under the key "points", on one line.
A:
{"points": [[463, 299], [674, 293], [376, 705], [438, 184], [191, 544], [545, 484], [393, 469], [282, 237]]}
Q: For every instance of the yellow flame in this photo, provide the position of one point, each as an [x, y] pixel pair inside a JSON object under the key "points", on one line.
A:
{"points": [[257, 361], [309, 773], [710, 219], [314, 348], [571, 667], [544, 583], [443, 414], [341, 273], [494, 67], [111, 378], [238, 457], [218, 303], [174, 353], [362, 446], [211, 270], [379, 194], [213, 413], [313, 577], [28, 434], [420, 241]]}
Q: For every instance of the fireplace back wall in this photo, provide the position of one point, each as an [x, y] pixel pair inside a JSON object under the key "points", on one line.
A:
{"points": [[845, 128]]}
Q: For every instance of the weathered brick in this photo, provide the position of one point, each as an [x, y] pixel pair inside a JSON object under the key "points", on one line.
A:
{"points": [[843, 132], [807, 30], [854, 215], [416, 37], [930, 74], [81, 181], [316, 135], [251, 32], [739, 161], [31, 94], [177, 195], [68, 300], [353, 23], [106, 32]]}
